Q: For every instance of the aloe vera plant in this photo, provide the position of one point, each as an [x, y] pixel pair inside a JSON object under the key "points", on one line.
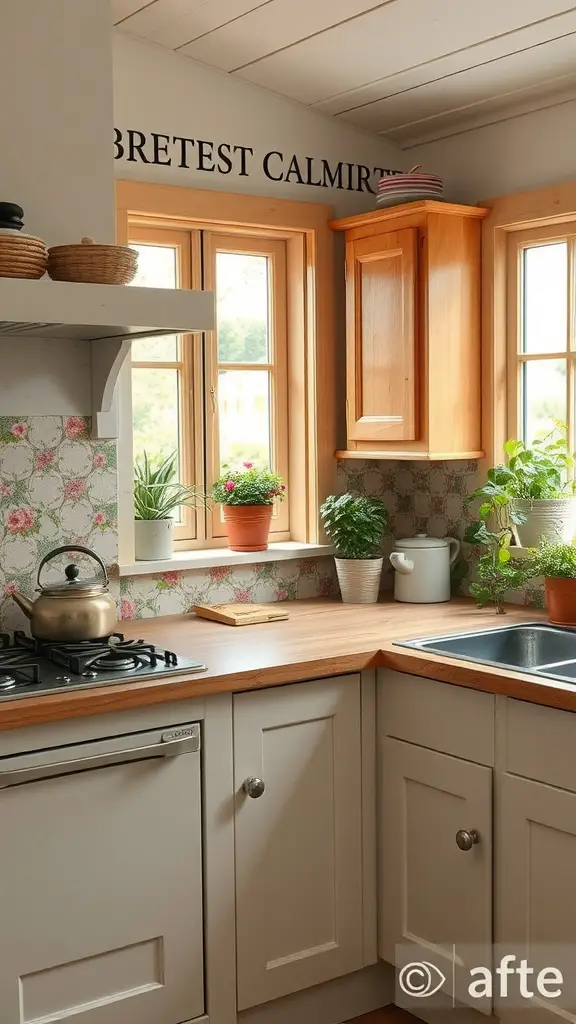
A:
{"points": [[157, 492]]}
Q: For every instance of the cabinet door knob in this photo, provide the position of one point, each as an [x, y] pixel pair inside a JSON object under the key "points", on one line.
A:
{"points": [[466, 840], [253, 787]]}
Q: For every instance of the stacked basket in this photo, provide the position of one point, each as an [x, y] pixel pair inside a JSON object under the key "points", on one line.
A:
{"points": [[21, 255], [409, 188], [92, 264]]}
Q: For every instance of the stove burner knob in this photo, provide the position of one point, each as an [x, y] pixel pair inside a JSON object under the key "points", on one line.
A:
{"points": [[63, 679], [89, 674]]}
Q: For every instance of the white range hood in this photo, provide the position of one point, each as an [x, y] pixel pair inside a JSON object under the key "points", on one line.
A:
{"points": [[108, 317]]}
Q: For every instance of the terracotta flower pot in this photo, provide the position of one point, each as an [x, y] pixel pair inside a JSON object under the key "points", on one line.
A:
{"points": [[247, 526], [561, 601]]}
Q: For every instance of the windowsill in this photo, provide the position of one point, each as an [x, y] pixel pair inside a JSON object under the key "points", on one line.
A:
{"points": [[208, 557]]}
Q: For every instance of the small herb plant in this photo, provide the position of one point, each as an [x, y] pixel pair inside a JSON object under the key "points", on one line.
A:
{"points": [[355, 524], [248, 486], [157, 493], [555, 561], [496, 570], [541, 470]]}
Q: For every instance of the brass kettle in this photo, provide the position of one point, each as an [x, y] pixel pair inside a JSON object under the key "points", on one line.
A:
{"points": [[73, 610]]}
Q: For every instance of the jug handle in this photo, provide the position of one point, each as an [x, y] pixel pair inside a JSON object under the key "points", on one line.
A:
{"points": [[455, 546], [401, 563]]}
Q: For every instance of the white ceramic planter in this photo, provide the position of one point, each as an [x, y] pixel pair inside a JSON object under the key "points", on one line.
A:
{"points": [[154, 539], [359, 579], [552, 518]]}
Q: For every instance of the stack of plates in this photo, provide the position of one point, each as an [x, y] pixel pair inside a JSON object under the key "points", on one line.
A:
{"points": [[409, 188]]}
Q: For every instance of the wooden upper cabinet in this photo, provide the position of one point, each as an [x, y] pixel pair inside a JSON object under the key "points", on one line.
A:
{"points": [[382, 312], [413, 332]]}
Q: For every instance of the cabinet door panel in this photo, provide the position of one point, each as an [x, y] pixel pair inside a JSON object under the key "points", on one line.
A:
{"points": [[101, 896], [435, 899], [536, 887], [382, 335], [298, 846]]}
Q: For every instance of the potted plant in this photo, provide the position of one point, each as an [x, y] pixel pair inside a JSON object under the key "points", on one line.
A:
{"points": [[247, 496], [356, 526], [540, 492], [157, 496], [496, 571], [557, 564]]}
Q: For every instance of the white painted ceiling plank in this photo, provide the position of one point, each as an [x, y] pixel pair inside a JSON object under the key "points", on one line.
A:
{"points": [[497, 109], [272, 27], [388, 40], [476, 85], [432, 71], [188, 19], [121, 9]]}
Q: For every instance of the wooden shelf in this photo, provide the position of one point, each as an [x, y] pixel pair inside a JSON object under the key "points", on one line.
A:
{"points": [[109, 317], [385, 455]]}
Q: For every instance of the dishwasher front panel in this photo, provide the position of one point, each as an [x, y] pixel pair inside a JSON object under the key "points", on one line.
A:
{"points": [[101, 884]]}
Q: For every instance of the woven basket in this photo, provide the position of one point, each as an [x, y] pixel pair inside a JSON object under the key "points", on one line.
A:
{"points": [[22, 256], [90, 263]]}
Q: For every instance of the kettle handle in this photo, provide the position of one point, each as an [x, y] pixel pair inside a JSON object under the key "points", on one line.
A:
{"points": [[455, 546], [72, 547]]}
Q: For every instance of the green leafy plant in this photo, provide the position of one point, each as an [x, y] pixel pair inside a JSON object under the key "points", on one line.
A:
{"points": [[157, 493], [248, 486], [355, 524], [496, 570], [556, 561], [540, 470]]}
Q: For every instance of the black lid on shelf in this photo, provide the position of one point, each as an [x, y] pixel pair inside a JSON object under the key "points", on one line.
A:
{"points": [[11, 216]]}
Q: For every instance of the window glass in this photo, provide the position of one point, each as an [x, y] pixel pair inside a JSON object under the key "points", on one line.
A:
{"points": [[244, 420], [543, 385], [242, 308], [545, 300]]}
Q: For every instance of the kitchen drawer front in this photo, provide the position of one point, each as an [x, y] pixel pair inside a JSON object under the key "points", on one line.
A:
{"points": [[451, 719], [539, 743]]}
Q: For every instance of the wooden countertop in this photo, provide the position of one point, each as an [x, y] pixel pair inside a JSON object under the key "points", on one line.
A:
{"points": [[322, 637]]}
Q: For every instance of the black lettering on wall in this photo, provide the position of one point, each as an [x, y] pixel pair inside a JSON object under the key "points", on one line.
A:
{"points": [[118, 147], [243, 150], [184, 143], [309, 178], [364, 179], [266, 165], [294, 168], [225, 164], [136, 143], [161, 149], [330, 180], [205, 150], [349, 186]]}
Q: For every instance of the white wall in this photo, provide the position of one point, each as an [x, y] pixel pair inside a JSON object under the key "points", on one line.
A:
{"points": [[56, 127], [523, 152], [157, 91]]}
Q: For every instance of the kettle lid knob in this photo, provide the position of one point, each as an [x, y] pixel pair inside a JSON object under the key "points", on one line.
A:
{"points": [[72, 573]]}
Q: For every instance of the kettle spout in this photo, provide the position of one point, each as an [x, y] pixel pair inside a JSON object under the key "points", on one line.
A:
{"points": [[24, 603], [402, 564]]}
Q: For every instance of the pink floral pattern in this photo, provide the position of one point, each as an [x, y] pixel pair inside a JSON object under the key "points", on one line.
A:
{"points": [[20, 520], [100, 460], [74, 490], [44, 460], [74, 427], [127, 609], [19, 430]]}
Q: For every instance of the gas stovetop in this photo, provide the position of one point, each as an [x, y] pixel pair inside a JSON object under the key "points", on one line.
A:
{"points": [[30, 667]]}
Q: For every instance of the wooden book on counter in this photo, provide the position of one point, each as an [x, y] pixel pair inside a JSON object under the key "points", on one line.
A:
{"points": [[241, 614]]}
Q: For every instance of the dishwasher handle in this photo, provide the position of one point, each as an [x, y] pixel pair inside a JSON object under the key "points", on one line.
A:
{"points": [[171, 745]]}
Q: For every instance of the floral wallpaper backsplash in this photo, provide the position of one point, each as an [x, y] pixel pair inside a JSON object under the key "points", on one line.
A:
{"points": [[57, 487]]}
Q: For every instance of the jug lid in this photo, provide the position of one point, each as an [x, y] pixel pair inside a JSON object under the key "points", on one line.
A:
{"points": [[421, 540], [73, 584]]}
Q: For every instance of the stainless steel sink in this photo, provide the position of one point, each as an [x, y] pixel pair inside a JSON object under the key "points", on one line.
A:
{"points": [[531, 647]]}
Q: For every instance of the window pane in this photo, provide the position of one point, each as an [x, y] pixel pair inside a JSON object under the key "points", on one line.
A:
{"points": [[157, 266], [545, 298], [244, 417], [544, 396], [148, 350], [242, 307], [155, 411]]}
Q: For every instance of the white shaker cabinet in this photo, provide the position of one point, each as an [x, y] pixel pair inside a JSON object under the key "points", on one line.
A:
{"points": [[297, 774], [435, 859]]}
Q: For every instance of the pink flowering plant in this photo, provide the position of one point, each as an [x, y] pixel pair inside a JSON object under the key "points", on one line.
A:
{"points": [[248, 486]]}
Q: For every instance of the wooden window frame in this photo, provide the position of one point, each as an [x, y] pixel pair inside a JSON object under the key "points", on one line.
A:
{"points": [[311, 365], [545, 213]]}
